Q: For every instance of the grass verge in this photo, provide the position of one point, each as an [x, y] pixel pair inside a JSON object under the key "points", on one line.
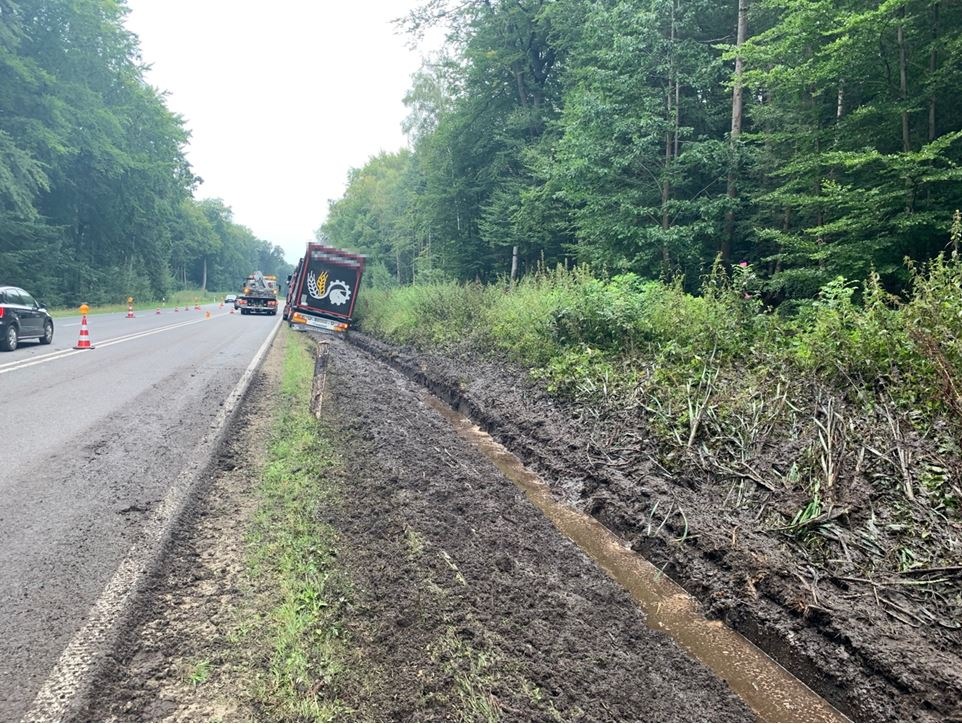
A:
{"points": [[298, 646], [182, 298]]}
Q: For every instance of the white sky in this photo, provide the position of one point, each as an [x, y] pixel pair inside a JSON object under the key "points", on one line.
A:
{"points": [[281, 98]]}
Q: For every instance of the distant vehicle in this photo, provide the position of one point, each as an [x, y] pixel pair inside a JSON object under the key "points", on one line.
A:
{"points": [[260, 295], [22, 317], [323, 289], [230, 299]]}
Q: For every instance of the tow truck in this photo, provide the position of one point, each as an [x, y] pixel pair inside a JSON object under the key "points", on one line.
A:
{"points": [[260, 295]]}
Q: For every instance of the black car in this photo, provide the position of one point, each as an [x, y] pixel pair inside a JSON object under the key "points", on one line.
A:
{"points": [[21, 317]]}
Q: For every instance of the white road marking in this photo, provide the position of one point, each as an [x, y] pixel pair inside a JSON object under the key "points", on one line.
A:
{"points": [[60, 354], [66, 681]]}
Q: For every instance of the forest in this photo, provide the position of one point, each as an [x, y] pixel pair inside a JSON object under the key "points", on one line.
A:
{"points": [[96, 194], [736, 230], [811, 139]]}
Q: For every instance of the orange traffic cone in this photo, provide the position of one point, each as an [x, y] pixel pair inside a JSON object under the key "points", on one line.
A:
{"points": [[158, 310], [231, 310], [177, 308], [196, 307], [84, 341], [130, 311]]}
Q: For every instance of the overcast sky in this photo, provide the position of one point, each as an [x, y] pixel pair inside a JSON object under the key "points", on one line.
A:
{"points": [[281, 98]]}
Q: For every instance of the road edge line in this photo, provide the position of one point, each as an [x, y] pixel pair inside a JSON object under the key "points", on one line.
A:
{"points": [[61, 692]]}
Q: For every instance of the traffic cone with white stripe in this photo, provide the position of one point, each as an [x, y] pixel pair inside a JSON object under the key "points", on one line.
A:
{"points": [[84, 341]]}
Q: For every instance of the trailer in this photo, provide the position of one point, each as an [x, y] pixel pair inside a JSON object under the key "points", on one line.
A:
{"points": [[291, 286], [324, 288]]}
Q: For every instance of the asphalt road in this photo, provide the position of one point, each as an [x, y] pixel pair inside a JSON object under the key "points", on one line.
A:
{"points": [[91, 443]]}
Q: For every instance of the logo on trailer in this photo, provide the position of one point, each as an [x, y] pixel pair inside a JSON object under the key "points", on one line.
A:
{"points": [[339, 292]]}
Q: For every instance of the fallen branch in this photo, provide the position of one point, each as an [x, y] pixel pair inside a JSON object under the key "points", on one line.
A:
{"points": [[817, 520], [751, 474], [922, 571]]}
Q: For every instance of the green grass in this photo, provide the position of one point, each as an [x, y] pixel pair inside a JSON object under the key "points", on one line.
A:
{"points": [[471, 671], [199, 674], [857, 382], [583, 334], [181, 298], [299, 646]]}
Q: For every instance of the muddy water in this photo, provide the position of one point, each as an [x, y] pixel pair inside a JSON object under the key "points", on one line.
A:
{"points": [[771, 691]]}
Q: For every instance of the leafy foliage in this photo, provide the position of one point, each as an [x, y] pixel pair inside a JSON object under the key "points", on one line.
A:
{"points": [[604, 133], [95, 191]]}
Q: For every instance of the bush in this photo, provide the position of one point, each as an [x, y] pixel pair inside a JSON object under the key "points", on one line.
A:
{"points": [[837, 337], [933, 320], [573, 326]]}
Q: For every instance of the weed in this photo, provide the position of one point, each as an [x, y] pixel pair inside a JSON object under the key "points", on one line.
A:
{"points": [[199, 673], [472, 672], [415, 543], [834, 422]]}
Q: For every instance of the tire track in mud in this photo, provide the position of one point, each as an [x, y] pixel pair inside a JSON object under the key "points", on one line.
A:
{"points": [[470, 604], [773, 693], [858, 662]]}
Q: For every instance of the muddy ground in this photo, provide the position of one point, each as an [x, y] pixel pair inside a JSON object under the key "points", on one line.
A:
{"points": [[458, 573], [465, 602], [862, 644]]}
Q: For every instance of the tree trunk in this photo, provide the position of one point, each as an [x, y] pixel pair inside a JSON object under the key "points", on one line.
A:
{"points": [[839, 105], [677, 112], [736, 131], [904, 96], [737, 101], [903, 82], [933, 64], [671, 139], [666, 182]]}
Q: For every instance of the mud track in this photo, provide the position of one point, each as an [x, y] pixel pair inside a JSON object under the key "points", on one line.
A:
{"points": [[832, 634], [465, 603], [472, 604]]}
